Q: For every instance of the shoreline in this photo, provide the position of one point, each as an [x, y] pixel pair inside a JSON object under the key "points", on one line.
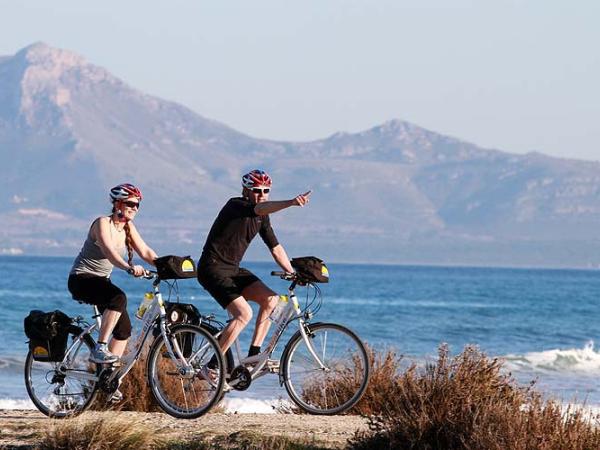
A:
{"points": [[24, 428]]}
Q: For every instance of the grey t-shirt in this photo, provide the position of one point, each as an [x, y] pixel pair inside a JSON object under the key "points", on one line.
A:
{"points": [[91, 260]]}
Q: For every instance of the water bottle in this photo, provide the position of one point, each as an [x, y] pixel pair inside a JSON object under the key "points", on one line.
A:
{"points": [[279, 308], [144, 305]]}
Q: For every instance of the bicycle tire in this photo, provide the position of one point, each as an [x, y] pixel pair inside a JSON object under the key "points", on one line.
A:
{"points": [[192, 392], [335, 389], [52, 390]]}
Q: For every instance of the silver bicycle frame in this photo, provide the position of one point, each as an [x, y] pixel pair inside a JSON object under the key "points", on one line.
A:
{"points": [[155, 311], [258, 362]]}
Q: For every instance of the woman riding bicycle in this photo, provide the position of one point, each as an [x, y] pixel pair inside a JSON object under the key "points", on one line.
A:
{"points": [[89, 279]]}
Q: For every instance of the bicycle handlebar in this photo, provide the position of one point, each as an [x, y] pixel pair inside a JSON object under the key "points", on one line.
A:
{"points": [[284, 275], [148, 274]]}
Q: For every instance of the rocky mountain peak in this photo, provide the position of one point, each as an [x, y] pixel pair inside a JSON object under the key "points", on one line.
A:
{"points": [[38, 82], [41, 54]]}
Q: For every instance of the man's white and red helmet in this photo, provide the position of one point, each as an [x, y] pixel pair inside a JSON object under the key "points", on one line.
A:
{"points": [[256, 178], [124, 191]]}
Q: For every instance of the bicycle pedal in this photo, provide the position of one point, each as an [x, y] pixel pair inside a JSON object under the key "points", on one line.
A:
{"points": [[272, 365]]}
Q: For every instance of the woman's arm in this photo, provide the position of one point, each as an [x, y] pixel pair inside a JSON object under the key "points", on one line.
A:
{"points": [[140, 247], [101, 232]]}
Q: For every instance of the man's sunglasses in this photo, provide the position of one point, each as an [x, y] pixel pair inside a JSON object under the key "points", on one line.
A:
{"points": [[132, 205], [260, 191]]}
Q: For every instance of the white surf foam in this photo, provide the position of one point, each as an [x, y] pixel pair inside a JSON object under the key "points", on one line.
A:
{"points": [[582, 360], [11, 403], [231, 405], [251, 405]]}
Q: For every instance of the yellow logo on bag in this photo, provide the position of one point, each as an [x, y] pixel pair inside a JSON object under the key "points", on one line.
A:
{"points": [[40, 351], [187, 266], [324, 271]]}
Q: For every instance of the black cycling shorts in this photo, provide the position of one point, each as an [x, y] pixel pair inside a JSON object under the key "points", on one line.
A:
{"points": [[101, 292], [224, 283]]}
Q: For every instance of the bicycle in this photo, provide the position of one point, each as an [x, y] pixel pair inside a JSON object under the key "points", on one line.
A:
{"points": [[176, 366], [324, 367]]}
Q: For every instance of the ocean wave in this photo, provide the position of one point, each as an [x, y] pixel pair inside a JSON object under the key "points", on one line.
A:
{"points": [[413, 303], [11, 365], [582, 360], [11, 403]]}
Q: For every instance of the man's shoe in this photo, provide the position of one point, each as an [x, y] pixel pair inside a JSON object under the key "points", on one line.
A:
{"points": [[101, 355]]}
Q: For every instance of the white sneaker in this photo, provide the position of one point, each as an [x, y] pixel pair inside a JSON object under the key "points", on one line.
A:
{"points": [[101, 355], [116, 396]]}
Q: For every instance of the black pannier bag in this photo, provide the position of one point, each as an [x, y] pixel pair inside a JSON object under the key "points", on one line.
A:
{"points": [[185, 313], [48, 334], [173, 267], [311, 269]]}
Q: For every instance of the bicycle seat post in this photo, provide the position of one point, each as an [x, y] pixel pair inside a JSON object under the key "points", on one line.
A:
{"points": [[97, 316]]}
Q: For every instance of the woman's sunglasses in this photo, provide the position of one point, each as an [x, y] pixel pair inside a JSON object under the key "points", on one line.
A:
{"points": [[261, 191], [132, 205]]}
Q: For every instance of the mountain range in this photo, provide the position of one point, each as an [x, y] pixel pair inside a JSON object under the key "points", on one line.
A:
{"points": [[395, 193]]}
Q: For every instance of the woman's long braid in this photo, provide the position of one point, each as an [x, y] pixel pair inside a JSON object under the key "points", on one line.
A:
{"points": [[128, 243], [128, 240]]}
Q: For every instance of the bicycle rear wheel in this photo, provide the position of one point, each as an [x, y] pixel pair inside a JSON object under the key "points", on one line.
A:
{"points": [[186, 388], [66, 388], [339, 383]]}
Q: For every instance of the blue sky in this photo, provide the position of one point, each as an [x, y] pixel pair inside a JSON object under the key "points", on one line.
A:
{"points": [[510, 74]]}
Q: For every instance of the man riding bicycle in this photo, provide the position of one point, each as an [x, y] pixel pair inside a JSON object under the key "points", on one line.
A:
{"points": [[238, 222]]}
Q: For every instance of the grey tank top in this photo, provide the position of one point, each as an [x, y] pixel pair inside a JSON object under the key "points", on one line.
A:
{"points": [[91, 260]]}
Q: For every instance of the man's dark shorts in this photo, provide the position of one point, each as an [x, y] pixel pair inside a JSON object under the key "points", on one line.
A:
{"points": [[224, 283]]}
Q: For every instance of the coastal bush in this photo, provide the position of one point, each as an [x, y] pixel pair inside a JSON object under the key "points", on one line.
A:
{"points": [[100, 431], [467, 402], [136, 391]]}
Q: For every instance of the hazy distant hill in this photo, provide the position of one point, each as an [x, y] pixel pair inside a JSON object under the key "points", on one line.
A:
{"points": [[395, 193]]}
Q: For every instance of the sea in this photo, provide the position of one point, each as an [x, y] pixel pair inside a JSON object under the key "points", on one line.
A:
{"points": [[543, 323]]}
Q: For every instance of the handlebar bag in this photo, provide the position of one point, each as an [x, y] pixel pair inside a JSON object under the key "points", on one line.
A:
{"points": [[311, 269], [173, 267], [48, 334]]}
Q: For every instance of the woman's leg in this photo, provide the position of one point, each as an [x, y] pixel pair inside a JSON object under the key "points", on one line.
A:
{"points": [[112, 302], [109, 320]]}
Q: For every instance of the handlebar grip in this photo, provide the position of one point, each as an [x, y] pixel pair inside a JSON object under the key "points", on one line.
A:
{"points": [[276, 273]]}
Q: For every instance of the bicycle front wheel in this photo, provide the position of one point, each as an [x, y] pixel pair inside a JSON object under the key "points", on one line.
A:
{"points": [[328, 373], [64, 388], [189, 385]]}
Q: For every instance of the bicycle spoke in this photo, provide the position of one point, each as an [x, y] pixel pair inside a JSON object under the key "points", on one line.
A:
{"points": [[342, 381], [180, 386], [68, 391]]}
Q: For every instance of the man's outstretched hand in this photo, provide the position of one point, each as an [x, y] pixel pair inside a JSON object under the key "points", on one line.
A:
{"points": [[302, 199]]}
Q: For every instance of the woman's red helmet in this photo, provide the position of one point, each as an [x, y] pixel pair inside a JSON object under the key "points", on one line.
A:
{"points": [[256, 178], [124, 191]]}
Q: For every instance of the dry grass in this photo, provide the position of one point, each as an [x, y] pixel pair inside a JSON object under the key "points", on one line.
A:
{"points": [[465, 402], [100, 431], [247, 441], [136, 391]]}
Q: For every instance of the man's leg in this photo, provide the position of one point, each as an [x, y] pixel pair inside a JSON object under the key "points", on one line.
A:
{"points": [[267, 300], [241, 315]]}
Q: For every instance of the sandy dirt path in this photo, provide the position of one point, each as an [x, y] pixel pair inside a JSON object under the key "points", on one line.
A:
{"points": [[23, 428]]}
